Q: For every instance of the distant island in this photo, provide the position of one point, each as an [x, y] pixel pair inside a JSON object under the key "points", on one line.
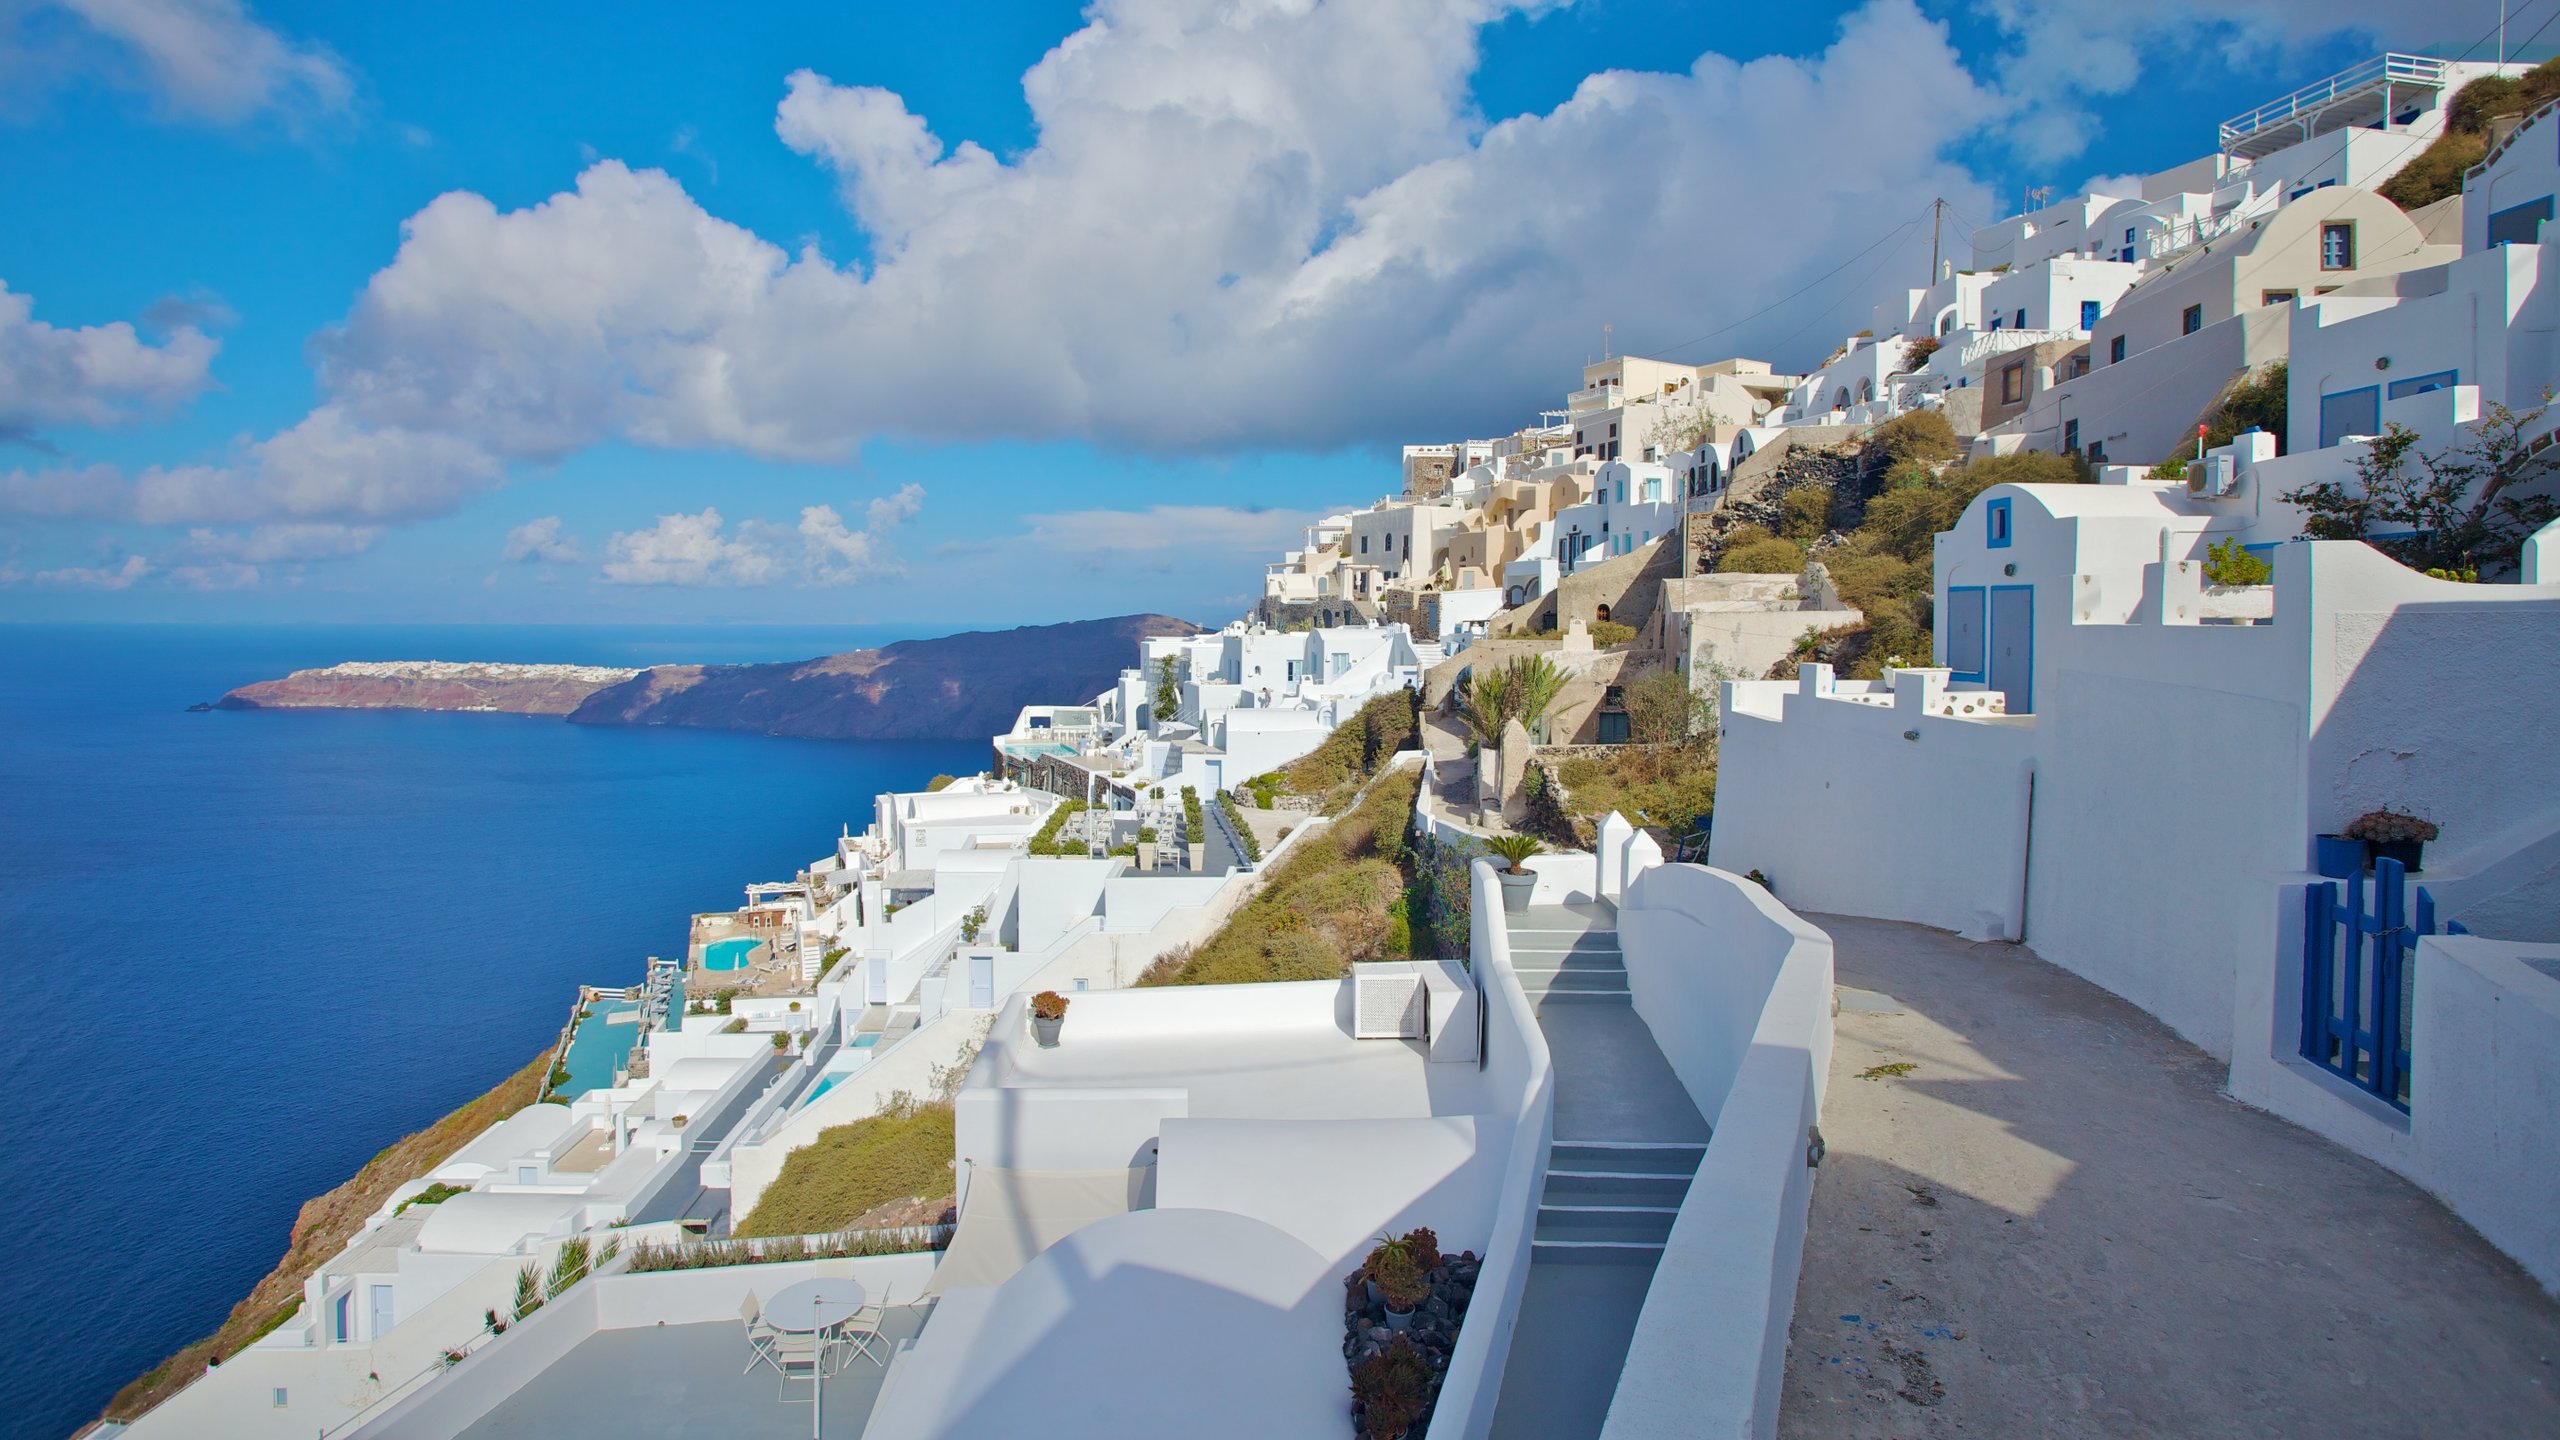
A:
{"points": [[430, 685], [966, 684]]}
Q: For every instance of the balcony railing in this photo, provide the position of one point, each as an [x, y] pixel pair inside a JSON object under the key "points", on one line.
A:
{"points": [[2374, 76]]}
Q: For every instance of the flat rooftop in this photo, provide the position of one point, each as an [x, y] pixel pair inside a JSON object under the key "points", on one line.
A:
{"points": [[1291, 1059], [681, 1382]]}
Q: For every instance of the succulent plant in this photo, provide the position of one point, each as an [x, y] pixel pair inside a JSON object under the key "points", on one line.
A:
{"points": [[2387, 826]]}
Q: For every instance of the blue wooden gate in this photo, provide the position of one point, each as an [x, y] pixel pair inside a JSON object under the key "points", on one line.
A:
{"points": [[2356, 949]]}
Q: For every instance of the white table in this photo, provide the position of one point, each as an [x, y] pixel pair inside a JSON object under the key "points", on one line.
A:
{"points": [[811, 1308]]}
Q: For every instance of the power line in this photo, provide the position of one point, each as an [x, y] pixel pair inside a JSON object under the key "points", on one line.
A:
{"points": [[1818, 280]]}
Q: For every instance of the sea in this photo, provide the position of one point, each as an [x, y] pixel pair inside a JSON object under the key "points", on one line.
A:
{"points": [[246, 950]]}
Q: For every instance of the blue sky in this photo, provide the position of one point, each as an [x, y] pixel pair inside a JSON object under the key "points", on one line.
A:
{"points": [[472, 312]]}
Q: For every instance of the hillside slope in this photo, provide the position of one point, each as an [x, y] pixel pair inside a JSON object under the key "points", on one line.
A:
{"points": [[970, 684]]}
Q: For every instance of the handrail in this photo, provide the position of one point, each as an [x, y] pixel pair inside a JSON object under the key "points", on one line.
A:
{"points": [[455, 1355], [2391, 65]]}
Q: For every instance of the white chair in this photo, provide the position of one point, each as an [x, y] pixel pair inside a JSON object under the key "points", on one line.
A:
{"points": [[803, 1355], [760, 1336], [863, 1327]]}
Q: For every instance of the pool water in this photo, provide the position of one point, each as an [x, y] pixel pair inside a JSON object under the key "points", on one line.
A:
{"points": [[827, 1081], [728, 954]]}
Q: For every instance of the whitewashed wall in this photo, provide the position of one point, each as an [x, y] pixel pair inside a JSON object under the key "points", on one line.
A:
{"points": [[1737, 992]]}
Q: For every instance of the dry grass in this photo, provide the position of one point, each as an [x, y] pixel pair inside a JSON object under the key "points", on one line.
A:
{"points": [[850, 1171], [1328, 904], [322, 1229]]}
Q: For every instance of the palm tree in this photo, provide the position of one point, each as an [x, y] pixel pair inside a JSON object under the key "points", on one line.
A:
{"points": [[1534, 682], [1488, 704]]}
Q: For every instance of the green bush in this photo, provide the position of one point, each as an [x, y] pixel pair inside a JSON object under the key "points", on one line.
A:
{"points": [[1244, 833], [1356, 749], [2437, 172], [939, 782], [1772, 556], [1805, 513], [2229, 562], [1046, 842], [1920, 437]]}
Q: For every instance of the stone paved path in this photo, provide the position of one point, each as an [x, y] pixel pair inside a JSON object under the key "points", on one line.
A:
{"points": [[2054, 1225]]}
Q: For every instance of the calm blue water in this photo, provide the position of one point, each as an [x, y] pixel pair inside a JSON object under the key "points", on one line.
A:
{"points": [[245, 951], [728, 954]]}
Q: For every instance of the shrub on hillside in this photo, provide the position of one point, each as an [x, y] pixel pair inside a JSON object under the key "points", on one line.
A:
{"points": [[1772, 556], [2437, 172], [1356, 749], [902, 1153], [1919, 436], [1324, 906], [1804, 513]]}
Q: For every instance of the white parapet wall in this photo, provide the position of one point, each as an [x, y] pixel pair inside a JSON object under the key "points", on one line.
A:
{"points": [[1516, 1062], [1826, 780], [1737, 991]]}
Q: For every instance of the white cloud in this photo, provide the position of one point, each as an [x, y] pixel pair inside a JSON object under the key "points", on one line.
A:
{"points": [[687, 550], [821, 550], [274, 544], [92, 376], [223, 575], [1241, 226], [198, 59], [540, 542], [103, 577], [838, 555], [1210, 528], [2067, 52]]}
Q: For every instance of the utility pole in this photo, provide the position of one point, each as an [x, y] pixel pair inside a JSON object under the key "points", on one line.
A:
{"points": [[1937, 215], [1604, 340], [2502, 38]]}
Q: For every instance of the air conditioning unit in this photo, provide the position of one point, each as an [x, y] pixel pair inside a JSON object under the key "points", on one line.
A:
{"points": [[1387, 1002], [2214, 477]]}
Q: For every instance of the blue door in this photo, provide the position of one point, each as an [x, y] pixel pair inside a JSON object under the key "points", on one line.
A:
{"points": [[2013, 645]]}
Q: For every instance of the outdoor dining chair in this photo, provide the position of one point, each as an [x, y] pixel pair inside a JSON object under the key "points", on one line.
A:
{"points": [[806, 1356], [863, 1327], [761, 1337]]}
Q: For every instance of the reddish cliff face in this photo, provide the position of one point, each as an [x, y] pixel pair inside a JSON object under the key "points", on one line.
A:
{"points": [[972, 684], [430, 685]]}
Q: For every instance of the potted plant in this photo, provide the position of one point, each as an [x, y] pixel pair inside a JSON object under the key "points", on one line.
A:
{"points": [[1048, 1012], [1517, 878], [2392, 835], [1146, 847], [1402, 1286], [2337, 856]]}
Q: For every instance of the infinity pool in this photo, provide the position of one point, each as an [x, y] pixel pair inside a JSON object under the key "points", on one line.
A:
{"points": [[728, 954]]}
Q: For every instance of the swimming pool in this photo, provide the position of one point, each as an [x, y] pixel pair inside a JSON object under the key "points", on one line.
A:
{"points": [[828, 1081], [729, 954]]}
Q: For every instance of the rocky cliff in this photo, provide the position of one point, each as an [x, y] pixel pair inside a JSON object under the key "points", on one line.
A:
{"points": [[430, 685], [958, 685]]}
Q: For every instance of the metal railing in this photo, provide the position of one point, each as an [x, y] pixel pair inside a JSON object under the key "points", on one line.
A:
{"points": [[2380, 71]]}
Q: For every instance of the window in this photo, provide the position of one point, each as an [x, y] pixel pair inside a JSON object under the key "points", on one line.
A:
{"points": [[2115, 351], [1995, 322], [2519, 224], [2421, 384], [1964, 630], [342, 1325], [2089, 310], [2278, 297], [1613, 728], [280, 1397], [2071, 434], [2192, 320], [2350, 412], [2013, 382], [1996, 517], [2021, 322], [2128, 235], [1364, 544], [2338, 245], [1866, 391]]}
